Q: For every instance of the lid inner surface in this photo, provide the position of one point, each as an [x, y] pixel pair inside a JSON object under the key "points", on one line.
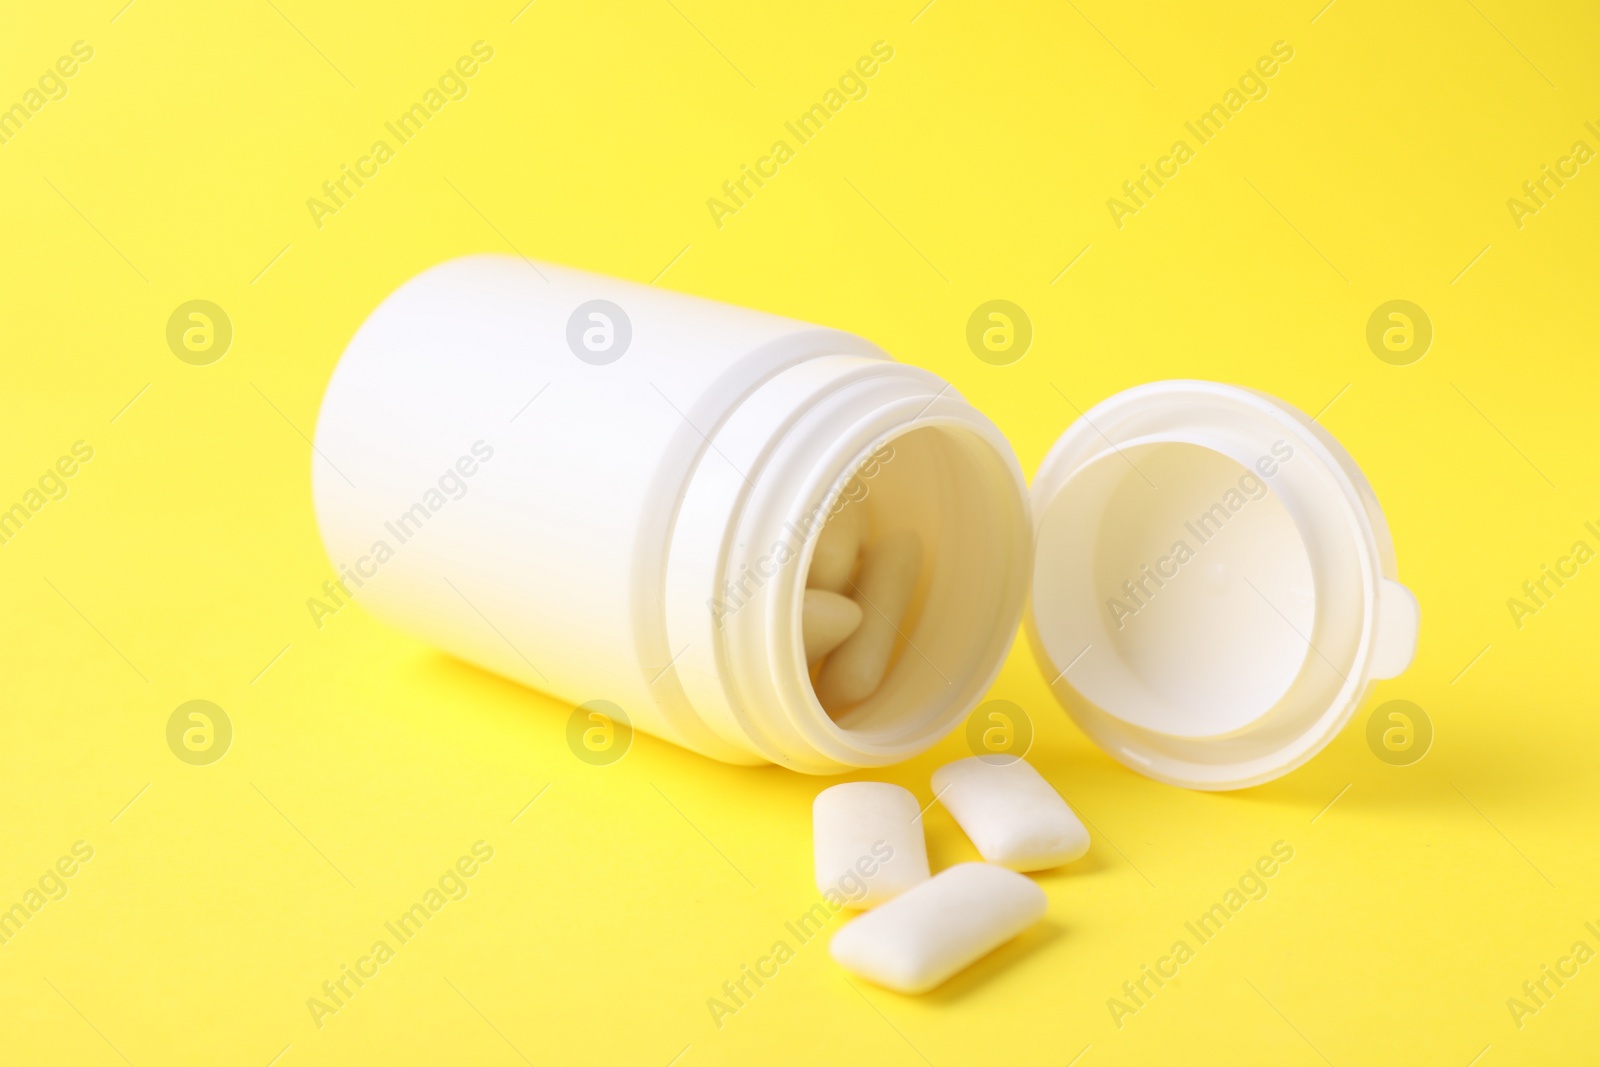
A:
{"points": [[1177, 585]]}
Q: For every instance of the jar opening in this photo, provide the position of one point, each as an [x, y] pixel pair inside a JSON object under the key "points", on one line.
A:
{"points": [[948, 486]]}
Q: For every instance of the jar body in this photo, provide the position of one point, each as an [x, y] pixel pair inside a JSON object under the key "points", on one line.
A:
{"points": [[563, 478]]}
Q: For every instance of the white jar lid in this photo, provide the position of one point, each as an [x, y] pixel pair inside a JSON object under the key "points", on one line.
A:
{"points": [[1214, 584]]}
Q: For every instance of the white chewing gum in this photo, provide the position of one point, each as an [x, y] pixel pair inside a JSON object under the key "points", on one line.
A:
{"points": [[889, 571], [928, 933], [1012, 814], [826, 619], [834, 558], [868, 841]]}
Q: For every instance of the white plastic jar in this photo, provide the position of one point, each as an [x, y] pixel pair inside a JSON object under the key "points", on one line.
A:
{"points": [[610, 492]]}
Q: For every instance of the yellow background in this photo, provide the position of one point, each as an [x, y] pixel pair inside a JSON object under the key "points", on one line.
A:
{"points": [[363, 764]]}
